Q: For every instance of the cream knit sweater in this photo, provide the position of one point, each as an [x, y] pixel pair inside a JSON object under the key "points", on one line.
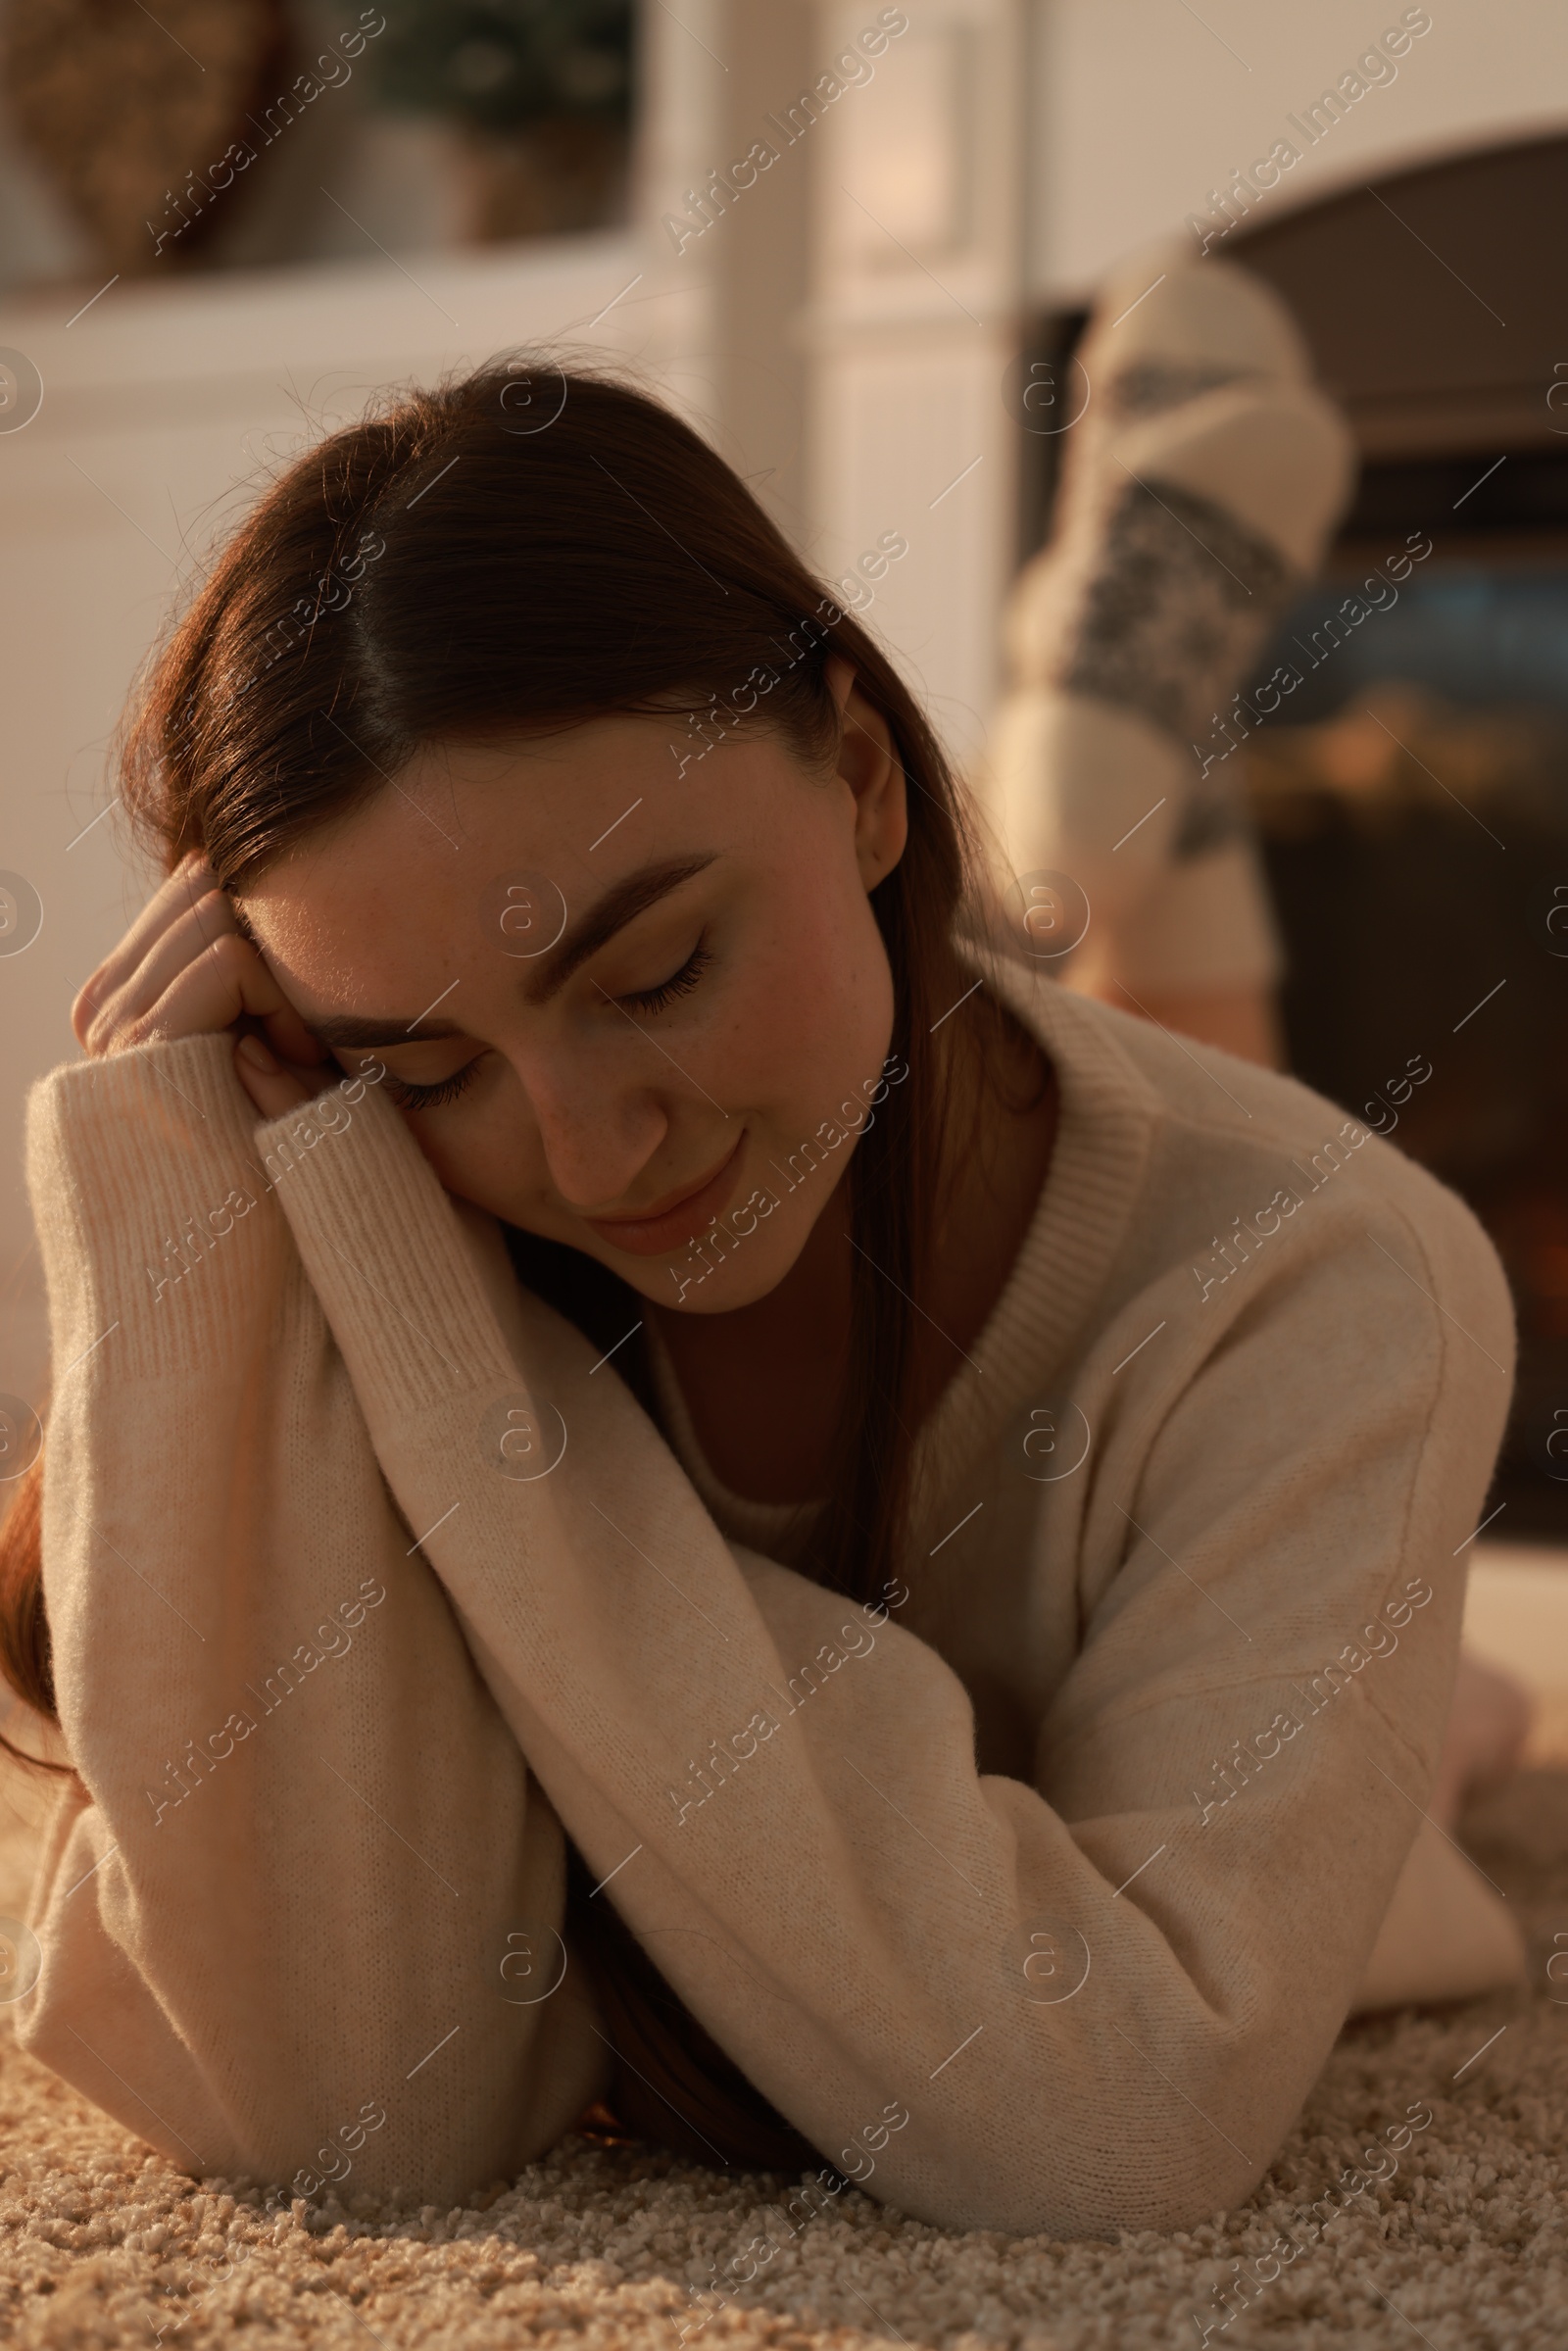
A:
{"points": [[343, 1637]]}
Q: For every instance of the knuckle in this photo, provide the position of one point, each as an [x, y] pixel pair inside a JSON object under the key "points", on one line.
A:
{"points": [[227, 952], [92, 1025]]}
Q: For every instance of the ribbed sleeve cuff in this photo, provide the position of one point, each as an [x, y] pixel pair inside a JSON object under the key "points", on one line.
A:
{"points": [[153, 1213], [385, 1253]]}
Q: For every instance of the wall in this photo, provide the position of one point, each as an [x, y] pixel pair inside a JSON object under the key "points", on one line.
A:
{"points": [[910, 330], [1139, 107]]}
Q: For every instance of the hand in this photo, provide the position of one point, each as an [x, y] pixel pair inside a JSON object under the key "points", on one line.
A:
{"points": [[183, 969]]}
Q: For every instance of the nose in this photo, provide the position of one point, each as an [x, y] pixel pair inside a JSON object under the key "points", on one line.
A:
{"points": [[597, 1137]]}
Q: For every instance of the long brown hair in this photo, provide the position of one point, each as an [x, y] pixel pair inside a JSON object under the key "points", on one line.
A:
{"points": [[518, 549]]}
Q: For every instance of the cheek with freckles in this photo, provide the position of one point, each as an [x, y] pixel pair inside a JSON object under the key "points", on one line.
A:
{"points": [[812, 1013], [490, 1154]]}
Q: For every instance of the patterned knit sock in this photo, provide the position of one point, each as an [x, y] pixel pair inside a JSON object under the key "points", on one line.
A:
{"points": [[1200, 488]]}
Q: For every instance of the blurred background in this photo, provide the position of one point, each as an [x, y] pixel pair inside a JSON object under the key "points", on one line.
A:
{"points": [[225, 224]]}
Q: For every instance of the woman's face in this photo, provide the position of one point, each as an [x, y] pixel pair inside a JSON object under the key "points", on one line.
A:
{"points": [[641, 1035]]}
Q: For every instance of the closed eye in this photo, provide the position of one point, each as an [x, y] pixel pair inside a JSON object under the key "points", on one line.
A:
{"points": [[679, 983], [408, 1097]]}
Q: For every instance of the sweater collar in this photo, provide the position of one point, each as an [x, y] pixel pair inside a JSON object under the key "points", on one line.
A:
{"points": [[1105, 1130]]}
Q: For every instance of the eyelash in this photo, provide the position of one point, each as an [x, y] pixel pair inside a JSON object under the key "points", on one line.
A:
{"points": [[429, 1097], [680, 983], [408, 1097]]}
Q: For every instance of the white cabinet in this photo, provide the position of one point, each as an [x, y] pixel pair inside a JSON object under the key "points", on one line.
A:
{"points": [[913, 321]]}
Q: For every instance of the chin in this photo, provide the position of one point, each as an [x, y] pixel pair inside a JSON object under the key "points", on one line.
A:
{"points": [[721, 1293], [702, 1280], [736, 1259]]}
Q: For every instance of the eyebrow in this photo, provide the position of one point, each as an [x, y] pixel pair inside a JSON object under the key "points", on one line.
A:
{"points": [[630, 897]]}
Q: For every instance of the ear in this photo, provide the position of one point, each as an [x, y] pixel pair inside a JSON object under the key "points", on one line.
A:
{"points": [[869, 764]]}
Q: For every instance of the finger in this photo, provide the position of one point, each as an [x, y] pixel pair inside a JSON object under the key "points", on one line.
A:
{"points": [[191, 880], [190, 933], [118, 1015], [272, 1088], [290, 1037], [211, 917], [286, 1029], [226, 981]]}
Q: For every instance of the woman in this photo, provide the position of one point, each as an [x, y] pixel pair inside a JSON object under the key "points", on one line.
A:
{"points": [[667, 1481]]}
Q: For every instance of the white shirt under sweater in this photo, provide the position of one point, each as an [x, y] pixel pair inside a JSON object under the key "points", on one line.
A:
{"points": [[285, 1573]]}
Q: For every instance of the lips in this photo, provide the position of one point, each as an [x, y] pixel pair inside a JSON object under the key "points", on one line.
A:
{"points": [[677, 1220]]}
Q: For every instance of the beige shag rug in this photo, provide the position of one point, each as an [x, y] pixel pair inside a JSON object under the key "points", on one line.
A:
{"points": [[1463, 2247]]}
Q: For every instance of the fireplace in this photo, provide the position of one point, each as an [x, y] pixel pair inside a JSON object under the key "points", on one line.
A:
{"points": [[1413, 792]]}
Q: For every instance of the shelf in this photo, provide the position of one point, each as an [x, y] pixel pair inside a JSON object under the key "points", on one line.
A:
{"points": [[144, 357]]}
